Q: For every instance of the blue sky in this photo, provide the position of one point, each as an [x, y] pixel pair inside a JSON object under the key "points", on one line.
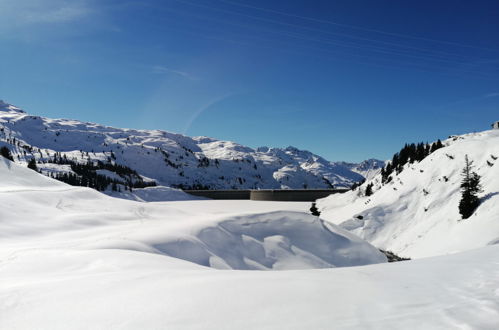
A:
{"points": [[348, 80]]}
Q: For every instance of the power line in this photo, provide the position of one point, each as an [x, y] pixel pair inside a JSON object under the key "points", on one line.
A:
{"points": [[351, 57], [372, 48], [355, 26], [315, 29]]}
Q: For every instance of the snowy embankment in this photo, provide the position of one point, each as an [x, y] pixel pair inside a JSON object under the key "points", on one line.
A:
{"points": [[416, 214], [74, 258]]}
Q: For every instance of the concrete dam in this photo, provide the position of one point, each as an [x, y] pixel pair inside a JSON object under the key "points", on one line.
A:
{"points": [[283, 195]]}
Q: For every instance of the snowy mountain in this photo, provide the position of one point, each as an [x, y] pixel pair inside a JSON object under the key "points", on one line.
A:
{"points": [[113, 159], [415, 212], [368, 168]]}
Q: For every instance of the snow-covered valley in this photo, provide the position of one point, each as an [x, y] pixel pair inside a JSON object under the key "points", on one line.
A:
{"points": [[73, 257]]}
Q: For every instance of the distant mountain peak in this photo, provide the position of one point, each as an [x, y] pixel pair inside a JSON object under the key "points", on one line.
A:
{"points": [[9, 107], [145, 157]]}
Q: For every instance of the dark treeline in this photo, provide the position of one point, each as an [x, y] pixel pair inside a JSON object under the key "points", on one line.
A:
{"points": [[86, 175], [410, 153]]}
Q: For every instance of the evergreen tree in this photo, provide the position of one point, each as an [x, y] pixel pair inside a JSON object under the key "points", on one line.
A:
{"points": [[369, 189], [32, 164], [470, 188], [314, 210], [5, 152]]}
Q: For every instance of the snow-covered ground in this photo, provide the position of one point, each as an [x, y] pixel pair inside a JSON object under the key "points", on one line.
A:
{"points": [[225, 235], [71, 257], [124, 289], [416, 214]]}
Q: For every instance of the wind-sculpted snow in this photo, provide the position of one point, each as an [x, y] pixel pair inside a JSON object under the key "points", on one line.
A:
{"points": [[416, 214], [168, 159], [278, 240]]}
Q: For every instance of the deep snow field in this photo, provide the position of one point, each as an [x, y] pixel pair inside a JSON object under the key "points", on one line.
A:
{"points": [[73, 258]]}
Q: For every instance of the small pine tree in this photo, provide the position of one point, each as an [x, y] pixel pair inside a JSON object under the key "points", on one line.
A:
{"points": [[5, 152], [369, 189], [314, 210], [470, 188], [32, 164]]}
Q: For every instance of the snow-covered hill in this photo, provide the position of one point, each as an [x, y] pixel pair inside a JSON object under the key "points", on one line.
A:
{"points": [[70, 256], [416, 213], [152, 157]]}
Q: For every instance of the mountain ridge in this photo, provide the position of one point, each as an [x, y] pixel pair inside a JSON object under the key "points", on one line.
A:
{"points": [[156, 157]]}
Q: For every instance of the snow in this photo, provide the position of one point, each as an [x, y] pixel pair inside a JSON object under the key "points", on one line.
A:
{"points": [[71, 257], [244, 236], [154, 194], [416, 215], [169, 159], [118, 289]]}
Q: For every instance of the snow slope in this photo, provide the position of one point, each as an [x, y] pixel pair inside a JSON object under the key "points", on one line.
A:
{"points": [[168, 159], [117, 289], [416, 214], [71, 257]]}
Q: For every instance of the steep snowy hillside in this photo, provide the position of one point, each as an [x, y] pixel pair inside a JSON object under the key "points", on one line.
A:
{"points": [[114, 159], [416, 213]]}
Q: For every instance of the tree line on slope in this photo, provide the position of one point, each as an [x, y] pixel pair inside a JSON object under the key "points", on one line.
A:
{"points": [[85, 174], [410, 153]]}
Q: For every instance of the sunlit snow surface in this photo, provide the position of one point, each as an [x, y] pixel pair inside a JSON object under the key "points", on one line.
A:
{"points": [[417, 213], [72, 258]]}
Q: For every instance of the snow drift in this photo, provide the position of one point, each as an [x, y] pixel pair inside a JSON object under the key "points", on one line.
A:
{"points": [[278, 240]]}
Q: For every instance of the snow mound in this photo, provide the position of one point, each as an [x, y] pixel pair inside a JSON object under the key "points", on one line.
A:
{"points": [[416, 214], [273, 241]]}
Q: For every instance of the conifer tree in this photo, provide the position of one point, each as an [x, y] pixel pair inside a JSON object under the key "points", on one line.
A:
{"points": [[32, 164], [5, 152], [369, 189], [470, 188], [314, 210]]}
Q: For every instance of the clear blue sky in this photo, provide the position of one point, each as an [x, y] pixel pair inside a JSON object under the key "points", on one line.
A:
{"points": [[347, 80]]}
